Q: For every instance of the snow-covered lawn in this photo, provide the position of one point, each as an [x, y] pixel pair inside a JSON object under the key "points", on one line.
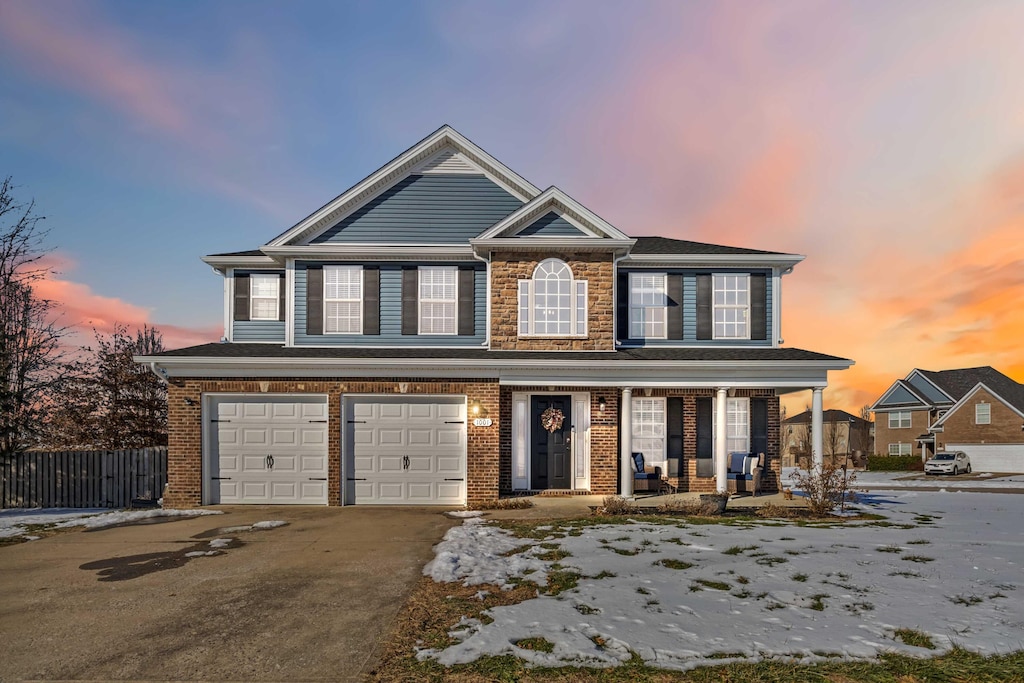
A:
{"points": [[910, 480], [682, 595], [15, 522]]}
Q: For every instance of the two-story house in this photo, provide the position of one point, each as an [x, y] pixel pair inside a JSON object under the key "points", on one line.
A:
{"points": [[446, 332], [976, 410]]}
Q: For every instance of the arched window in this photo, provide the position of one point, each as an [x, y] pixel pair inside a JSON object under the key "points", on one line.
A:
{"points": [[552, 304]]}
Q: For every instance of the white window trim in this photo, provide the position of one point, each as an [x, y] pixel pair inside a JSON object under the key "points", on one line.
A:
{"points": [[326, 300], [899, 448], [643, 323], [253, 298], [574, 318], [714, 422], [729, 403], [420, 301], [715, 307], [988, 414], [899, 419], [659, 459]]}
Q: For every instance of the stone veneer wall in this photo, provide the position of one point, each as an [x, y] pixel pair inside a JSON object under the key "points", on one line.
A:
{"points": [[507, 268], [185, 446]]}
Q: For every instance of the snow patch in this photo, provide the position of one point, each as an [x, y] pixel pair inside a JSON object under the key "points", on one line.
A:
{"points": [[464, 514]]}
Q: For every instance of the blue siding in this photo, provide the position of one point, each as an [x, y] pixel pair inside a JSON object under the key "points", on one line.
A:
{"points": [[551, 225], [900, 396], [690, 313], [391, 314], [926, 389], [258, 331], [427, 208]]}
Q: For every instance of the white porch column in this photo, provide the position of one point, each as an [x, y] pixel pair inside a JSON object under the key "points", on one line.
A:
{"points": [[817, 440], [721, 450], [626, 440]]}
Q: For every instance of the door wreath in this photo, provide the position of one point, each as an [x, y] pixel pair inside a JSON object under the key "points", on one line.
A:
{"points": [[552, 419]]}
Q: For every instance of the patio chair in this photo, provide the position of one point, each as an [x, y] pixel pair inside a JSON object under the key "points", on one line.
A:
{"points": [[646, 478], [744, 473]]}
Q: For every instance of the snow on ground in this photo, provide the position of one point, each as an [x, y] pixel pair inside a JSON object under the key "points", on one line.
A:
{"points": [[901, 480], [14, 522], [945, 564]]}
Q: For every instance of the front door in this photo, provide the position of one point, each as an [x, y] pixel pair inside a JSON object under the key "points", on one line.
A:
{"points": [[551, 447]]}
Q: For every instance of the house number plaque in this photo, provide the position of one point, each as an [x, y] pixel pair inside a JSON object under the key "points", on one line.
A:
{"points": [[482, 422]]}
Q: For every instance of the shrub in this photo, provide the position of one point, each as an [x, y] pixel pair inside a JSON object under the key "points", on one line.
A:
{"points": [[895, 463], [827, 489], [617, 505]]}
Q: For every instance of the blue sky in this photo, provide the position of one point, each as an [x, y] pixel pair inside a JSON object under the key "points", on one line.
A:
{"points": [[883, 140]]}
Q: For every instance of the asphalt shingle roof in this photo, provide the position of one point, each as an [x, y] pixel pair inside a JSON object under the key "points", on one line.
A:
{"points": [[958, 382], [242, 350], [668, 246]]}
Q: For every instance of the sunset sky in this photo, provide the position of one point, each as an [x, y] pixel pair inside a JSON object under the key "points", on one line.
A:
{"points": [[883, 140]]}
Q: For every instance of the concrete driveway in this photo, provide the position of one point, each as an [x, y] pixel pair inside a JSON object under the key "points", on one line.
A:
{"points": [[307, 601]]}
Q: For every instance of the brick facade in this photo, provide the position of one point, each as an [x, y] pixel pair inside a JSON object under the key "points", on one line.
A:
{"points": [[185, 446], [507, 268], [489, 449], [920, 420], [960, 427]]}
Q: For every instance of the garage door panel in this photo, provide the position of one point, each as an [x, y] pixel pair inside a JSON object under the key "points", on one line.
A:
{"points": [[992, 457], [410, 446], [251, 428]]}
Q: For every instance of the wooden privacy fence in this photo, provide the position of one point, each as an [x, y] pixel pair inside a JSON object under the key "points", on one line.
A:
{"points": [[82, 479]]}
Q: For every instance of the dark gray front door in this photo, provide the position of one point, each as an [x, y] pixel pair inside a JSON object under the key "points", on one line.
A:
{"points": [[705, 461], [550, 452]]}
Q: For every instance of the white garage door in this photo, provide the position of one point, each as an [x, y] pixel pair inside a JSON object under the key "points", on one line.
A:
{"points": [[268, 449], [405, 450], [990, 457]]}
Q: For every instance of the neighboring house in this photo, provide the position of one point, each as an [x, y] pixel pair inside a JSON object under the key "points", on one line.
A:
{"points": [[976, 410], [842, 434], [445, 332]]}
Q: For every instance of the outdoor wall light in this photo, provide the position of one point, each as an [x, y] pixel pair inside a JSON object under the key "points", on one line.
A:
{"points": [[474, 407], [189, 401], [601, 403]]}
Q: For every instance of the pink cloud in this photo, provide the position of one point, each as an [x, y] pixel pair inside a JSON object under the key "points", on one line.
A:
{"points": [[82, 310]]}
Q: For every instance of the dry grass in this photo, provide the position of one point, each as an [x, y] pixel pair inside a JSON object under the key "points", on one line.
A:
{"points": [[689, 508], [773, 511]]}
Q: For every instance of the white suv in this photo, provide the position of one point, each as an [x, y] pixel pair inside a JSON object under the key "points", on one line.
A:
{"points": [[953, 463]]}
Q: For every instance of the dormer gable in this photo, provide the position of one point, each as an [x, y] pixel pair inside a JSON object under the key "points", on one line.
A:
{"points": [[900, 395], [553, 219], [927, 389]]}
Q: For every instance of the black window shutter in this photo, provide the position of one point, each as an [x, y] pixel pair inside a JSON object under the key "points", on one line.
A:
{"points": [[467, 302], [674, 414], [281, 287], [758, 426], [705, 461], [758, 306], [371, 300], [410, 300], [241, 296], [314, 299], [704, 325], [675, 306], [622, 307]]}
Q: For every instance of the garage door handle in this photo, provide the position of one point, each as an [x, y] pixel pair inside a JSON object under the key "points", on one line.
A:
{"points": [[318, 478], [356, 478], [318, 421], [220, 478], [357, 422], [405, 462], [453, 480], [454, 422]]}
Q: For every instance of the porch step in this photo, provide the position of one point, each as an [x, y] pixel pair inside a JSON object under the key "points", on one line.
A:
{"points": [[558, 493]]}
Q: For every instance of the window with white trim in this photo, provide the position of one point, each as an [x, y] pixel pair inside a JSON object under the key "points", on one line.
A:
{"points": [[438, 299], [982, 413], [264, 297], [900, 449], [649, 429], [899, 419], [737, 425], [648, 305], [343, 299], [731, 306], [552, 303]]}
